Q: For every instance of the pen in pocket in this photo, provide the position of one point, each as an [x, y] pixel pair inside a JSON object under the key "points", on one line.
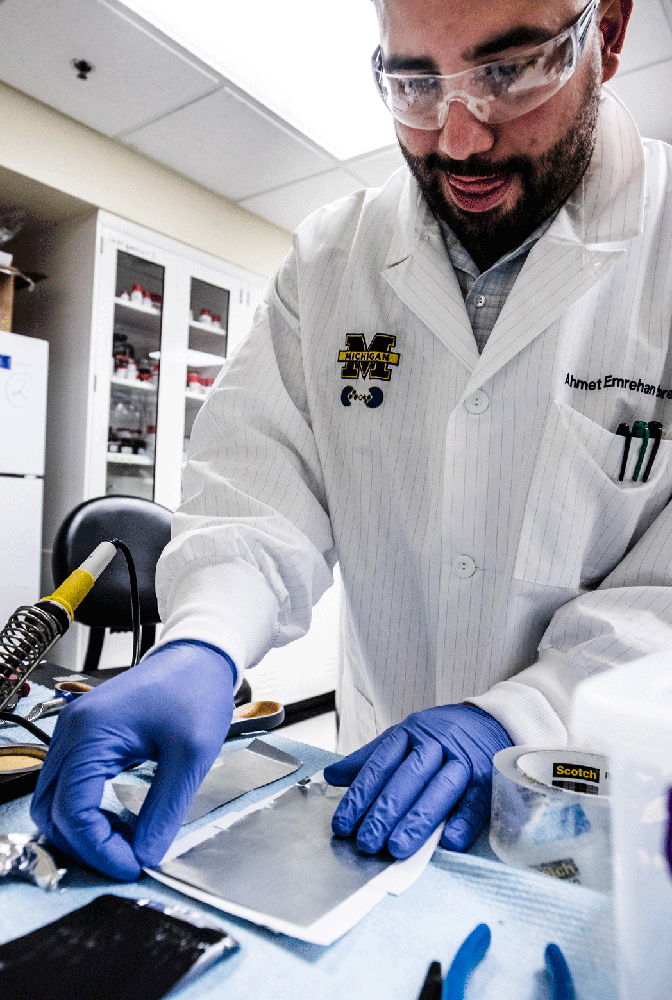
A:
{"points": [[651, 431]]}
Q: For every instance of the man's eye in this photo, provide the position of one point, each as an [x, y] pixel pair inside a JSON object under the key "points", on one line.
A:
{"points": [[499, 77], [415, 88], [506, 71]]}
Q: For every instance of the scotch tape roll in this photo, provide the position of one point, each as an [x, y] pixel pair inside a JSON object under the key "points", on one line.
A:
{"points": [[551, 814]]}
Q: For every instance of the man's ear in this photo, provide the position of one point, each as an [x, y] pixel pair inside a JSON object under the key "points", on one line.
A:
{"points": [[613, 17]]}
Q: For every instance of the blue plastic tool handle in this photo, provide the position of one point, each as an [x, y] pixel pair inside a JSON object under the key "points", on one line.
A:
{"points": [[558, 973], [469, 954]]}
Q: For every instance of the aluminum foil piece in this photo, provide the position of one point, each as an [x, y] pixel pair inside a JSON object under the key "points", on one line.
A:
{"points": [[21, 854], [229, 777], [282, 860]]}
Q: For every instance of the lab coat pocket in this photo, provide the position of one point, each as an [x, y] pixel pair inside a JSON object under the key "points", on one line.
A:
{"points": [[579, 520]]}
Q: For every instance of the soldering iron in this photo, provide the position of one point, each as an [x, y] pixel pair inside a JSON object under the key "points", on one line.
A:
{"points": [[33, 629]]}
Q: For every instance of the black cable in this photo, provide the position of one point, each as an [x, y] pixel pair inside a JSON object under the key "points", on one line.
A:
{"points": [[30, 726], [135, 599]]}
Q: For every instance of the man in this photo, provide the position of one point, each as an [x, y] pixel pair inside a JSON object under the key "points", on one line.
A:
{"points": [[432, 394]]}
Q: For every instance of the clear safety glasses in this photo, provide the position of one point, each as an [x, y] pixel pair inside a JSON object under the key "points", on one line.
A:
{"points": [[494, 92]]}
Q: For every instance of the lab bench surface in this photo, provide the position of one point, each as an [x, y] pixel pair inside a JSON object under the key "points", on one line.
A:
{"points": [[387, 954]]}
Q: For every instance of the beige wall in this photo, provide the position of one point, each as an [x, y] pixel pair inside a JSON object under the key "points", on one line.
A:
{"points": [[50, 148]]}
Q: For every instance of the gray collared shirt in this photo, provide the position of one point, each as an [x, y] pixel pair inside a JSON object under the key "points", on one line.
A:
{"points": [[485, 294]]}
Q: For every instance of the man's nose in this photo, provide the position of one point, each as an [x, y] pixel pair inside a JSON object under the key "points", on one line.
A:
{"points": [[463, 134]]}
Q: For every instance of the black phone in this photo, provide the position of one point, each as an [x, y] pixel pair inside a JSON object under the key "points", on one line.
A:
{"points": [[114, 946]]}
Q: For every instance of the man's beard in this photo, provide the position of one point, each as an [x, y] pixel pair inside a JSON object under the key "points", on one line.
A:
{"points": [[547, 182]]}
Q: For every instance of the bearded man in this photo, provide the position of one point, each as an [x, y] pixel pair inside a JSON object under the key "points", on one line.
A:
{"points": [[436, 393]]}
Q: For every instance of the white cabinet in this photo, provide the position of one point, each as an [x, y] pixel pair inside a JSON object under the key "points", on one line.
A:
{"points": [[164, 323], [139, 326]]}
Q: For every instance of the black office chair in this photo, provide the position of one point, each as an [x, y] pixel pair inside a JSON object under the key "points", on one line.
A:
{"points": [[145, 528]]}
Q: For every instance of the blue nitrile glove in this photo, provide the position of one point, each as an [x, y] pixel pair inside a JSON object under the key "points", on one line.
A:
{"points": [[411, 777], [174, 707]]}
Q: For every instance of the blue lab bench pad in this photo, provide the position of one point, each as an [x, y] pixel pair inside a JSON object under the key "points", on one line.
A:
{"points": [[386, 956]]}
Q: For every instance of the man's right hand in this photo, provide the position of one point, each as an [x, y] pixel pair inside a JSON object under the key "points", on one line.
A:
{"points": [[174, 707]]}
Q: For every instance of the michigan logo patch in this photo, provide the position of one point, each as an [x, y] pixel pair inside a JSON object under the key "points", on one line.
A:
{"points": [[372, 360]]}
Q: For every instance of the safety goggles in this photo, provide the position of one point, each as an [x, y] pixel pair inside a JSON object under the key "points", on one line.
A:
{"points": [[493, 92]]}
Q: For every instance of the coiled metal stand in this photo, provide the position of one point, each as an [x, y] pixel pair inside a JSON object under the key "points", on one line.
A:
{"points": [[26, 638]]}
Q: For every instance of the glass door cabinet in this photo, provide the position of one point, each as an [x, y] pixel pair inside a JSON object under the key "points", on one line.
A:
{"points": [[166, 325], [209, 308], [134, 379]]}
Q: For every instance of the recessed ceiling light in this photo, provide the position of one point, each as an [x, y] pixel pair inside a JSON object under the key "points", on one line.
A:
{"points": [[308, 61]]}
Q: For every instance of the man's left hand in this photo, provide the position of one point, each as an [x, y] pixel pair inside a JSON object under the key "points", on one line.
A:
{"points": [[435, 764]]}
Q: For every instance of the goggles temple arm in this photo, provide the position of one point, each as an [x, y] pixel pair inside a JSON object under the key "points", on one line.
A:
{"points": [[584, 23]]}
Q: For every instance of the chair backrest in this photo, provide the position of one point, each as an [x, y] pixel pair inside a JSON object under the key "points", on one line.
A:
{"points": [[144, 527]]}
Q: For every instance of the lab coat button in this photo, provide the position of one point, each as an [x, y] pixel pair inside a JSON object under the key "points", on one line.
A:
{"points": [[464, 567], [477, 402]]}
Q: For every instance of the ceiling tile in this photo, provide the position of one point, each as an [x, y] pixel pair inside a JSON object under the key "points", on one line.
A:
{"points": [[648, 38], [289, 205], [230, 146], [136, 78], [641, 93], [375, 169]]}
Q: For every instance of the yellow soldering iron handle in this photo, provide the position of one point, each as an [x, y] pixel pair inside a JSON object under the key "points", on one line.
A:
{"points": [[74, 588]]}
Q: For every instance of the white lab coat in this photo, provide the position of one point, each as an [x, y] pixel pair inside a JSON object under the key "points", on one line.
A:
{"points": [[487, 548]]}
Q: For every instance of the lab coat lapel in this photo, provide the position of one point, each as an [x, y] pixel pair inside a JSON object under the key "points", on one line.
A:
{"points": [[582, 245], [554, 277], [419, 271]]}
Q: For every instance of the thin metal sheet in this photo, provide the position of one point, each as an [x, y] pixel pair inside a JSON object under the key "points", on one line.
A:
{"points": [[283, 860], [229, 777]]}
